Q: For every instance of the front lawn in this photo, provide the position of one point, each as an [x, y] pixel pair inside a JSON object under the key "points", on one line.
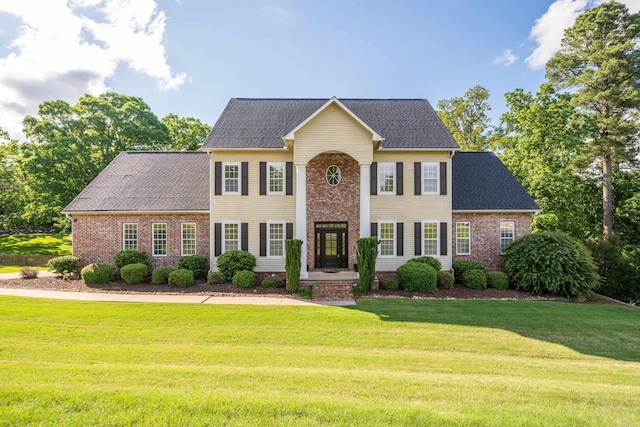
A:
{"points": [[383, 362], [35, 244]]}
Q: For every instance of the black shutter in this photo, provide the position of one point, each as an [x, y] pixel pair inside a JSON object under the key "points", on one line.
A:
{"points": [[218, 178], [417, 237], [244, 231], [263, 178], [289, 234], [399, 178], [443, 238], [373, 182], [417, 174], [217, 238], [263, 239], [289, 178], [443, 178], [374, 229], [400, 239], [245, 178]]}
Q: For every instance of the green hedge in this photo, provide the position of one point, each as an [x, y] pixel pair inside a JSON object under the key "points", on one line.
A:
{"points": [[131, 256], [63, 264], [97, 274], [497, 280], [215, 278], [160, 275], [229, 263], [292, 263], [133, 273], [181, 278], [417, 277], [199, 264], [429, 260], [475, 279], [273, 282], [445, 280], [390, 284], [459, 267], [244, 279]]}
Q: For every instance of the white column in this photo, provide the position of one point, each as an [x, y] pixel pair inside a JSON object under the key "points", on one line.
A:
{"points": [[301, 216], [365, 201]]}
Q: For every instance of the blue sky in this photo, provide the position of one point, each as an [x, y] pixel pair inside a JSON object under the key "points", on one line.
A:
{"points": [[190, 57]]}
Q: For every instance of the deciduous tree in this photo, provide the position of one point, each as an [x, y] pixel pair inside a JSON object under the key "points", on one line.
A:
{"points": [[467, 120]]}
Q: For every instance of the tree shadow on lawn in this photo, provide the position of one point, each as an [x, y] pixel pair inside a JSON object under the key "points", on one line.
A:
{"points": [[21, 244], [594, 329]]}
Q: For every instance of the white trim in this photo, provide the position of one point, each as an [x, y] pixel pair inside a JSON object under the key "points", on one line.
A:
{"points": [[223, 239], [124, 239], [326, 175], [379, 183], [224, 179], [365, 201], [284, 178], [301, 216], [437, 190], [195, 238], [513, 230], [505, 211], [153, 238], [456, 237], [212, 225], [395, 237], [284, 237], [437, 223]]}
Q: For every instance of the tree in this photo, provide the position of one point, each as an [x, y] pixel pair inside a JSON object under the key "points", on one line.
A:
{"points": [[467, 120], [599, 62], [11, 184], [185, 133]]}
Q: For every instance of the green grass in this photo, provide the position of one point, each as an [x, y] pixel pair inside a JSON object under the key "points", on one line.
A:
{"points": [[15, 268], [35, 244], [384, 362]]}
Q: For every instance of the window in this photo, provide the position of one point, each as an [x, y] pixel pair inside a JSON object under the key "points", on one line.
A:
{"points": [[463, 238], [430, 238], [159, 239], [430, 178], [333, 175], [507, 234], [231, 234], [130, 237], [276, 239], [386, 178], [387, 237], [188, 239], [276, 178], [231, 178]]}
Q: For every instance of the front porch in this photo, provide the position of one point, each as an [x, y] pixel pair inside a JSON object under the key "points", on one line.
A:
{"points": [[336, 286]]}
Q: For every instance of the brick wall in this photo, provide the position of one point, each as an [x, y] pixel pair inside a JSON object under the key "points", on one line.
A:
{"points": [[97, 238], [485, 235]]}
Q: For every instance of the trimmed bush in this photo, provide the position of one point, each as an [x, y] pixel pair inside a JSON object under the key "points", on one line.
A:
{"points": [[390, 284], [131, 256], [550, 262], [98, 273], [215, 278], [272, 282], [134, 273], [459, 267], [497, 280], [366, 255], [417, 277], [475, 279], [292, 263], [244, 279], [28, 272], [445, 280], [181, 278], [160, 275], [304, 293], [63, 264], [229, 263], [615, 270], [429, 260], [199, 264]]}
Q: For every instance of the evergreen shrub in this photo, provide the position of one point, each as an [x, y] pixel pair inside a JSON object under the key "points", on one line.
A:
{"points": [[390, 284], [292, 263], [160, 275], [244, 279], [215, 278], [459, 267], [181, 278], [615, 269], [445, 280], [497, 280], [230, 262], [366, 255], [199, 264], [63, 265], [133, 273], [29, 272], [272, 282], [417, 277], [131, 256], [475, 279], [98, 273], [429, 260]]}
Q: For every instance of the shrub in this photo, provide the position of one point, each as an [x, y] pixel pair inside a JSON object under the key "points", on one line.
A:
{"points": [[417, 277], [366, 255], [445, 280], [215, 278], [181, 278], [459, 267], [133, 273], [615, 270], [229, 263], [98, 273], [292, 263], [244, 279], [304, 293], [390, 284], [550, 262], [272, 282], [429, 260], [199, 264], [28, 272], [131, 256], [63, 264], [497, 280], [160, 275], [475, 279]]}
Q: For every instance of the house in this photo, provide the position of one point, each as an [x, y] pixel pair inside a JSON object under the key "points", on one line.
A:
{"points": [[325, 171]]}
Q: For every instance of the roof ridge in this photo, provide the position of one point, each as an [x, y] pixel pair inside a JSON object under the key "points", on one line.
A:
{"points": [[326, 99]]}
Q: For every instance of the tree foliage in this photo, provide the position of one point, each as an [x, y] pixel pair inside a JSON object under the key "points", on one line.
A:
{"points": [[185, 133], [467, 120]]}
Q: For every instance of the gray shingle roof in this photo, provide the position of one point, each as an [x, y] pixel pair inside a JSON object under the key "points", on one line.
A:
{"points": [[261, 123], [148, 181], [482, 182]]}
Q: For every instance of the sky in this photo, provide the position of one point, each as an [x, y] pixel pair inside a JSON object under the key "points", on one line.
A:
{"points": [[190, 57]]}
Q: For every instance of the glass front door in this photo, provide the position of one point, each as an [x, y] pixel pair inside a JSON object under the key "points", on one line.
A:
{"points": [[331, 245]]}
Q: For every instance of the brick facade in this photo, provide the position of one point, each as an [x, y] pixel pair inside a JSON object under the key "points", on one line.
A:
{"points": [[485, 235], [97, 238]]}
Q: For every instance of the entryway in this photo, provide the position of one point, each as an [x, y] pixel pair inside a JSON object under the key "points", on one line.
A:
{"points": [[331, 245]]}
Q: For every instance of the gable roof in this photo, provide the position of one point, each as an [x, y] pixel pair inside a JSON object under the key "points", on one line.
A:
{"points": [[262, 123], [481, 182], [152, 181]]}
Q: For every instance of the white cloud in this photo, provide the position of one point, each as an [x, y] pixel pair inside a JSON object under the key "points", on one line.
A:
{"points": [[507, 58], [64, 49]]}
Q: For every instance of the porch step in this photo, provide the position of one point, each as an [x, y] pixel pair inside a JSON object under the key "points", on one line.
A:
{"points": [[332, 291]]}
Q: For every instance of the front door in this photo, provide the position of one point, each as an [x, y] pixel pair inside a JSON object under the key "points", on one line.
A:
{"points": [[331, 245]]}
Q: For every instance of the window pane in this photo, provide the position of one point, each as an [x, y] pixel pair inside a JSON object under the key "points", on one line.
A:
{"points": [[159, 239], [386, 181], [463, 240], [276, 178], [387, 238], [130, 237], [429, 178], [188, 239], [276, 240], [231, 237], [507, 234], [231, 178], [430, 238]]}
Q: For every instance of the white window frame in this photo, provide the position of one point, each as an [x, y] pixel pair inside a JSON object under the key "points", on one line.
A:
{"points": [[224, 235], [505, 238], [124, 236], [468, 238], [284, 177], [225, 179], [437, 238], [153, 239], [394, 239], [284, 236], [182, 238], [424, 165], [389, 166]]}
